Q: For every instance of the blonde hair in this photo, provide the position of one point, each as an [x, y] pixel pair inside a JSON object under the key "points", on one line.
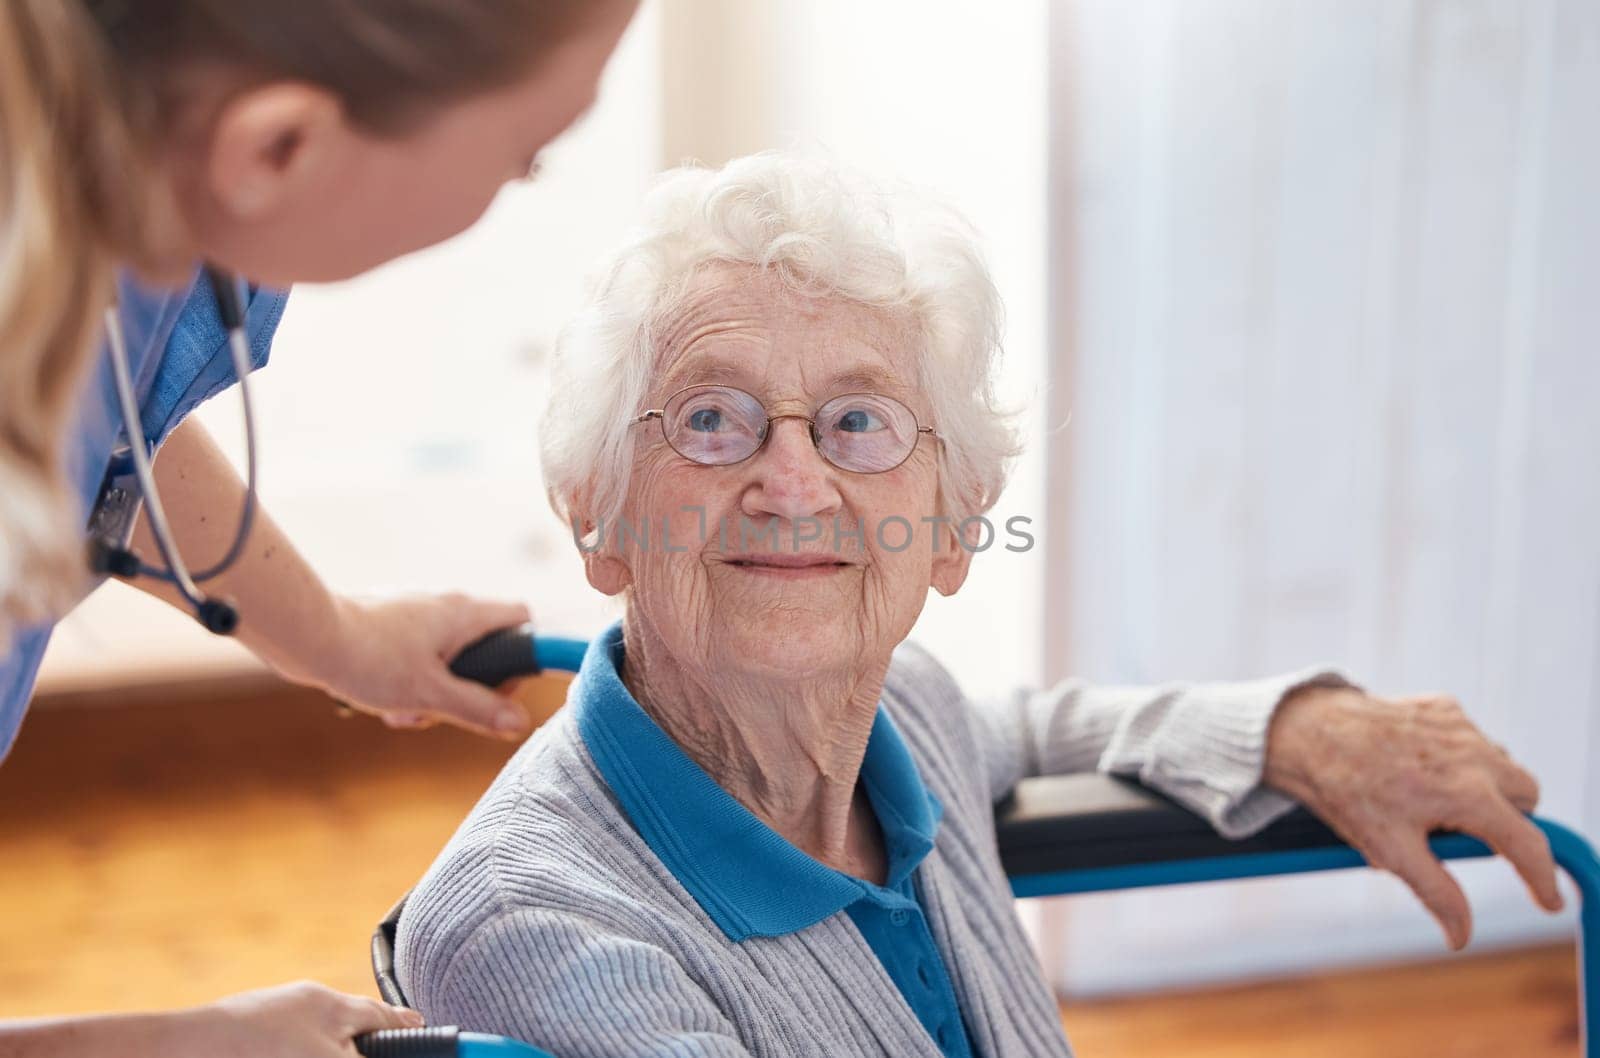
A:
{"points": [[86, 87], [62, 227]]}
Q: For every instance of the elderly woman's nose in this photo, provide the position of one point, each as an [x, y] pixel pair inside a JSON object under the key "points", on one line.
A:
{"points": [[792, 480]]}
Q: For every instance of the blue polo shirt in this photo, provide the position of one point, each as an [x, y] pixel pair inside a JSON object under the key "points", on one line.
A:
{"points": [[178, 358], [748, 878]]}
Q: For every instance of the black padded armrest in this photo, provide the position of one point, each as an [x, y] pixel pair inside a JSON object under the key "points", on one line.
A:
{"points": [[1074, 822]]}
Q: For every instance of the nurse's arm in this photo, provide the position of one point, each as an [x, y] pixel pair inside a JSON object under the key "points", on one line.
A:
{"points": [[164, 1035], [305, 1020], [124, 1035], [387, 658]]}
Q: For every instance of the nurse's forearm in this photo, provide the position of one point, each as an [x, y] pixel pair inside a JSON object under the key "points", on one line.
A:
{"points": [[110, 1036], [300, 1020], [385, 658], [288, 616]]}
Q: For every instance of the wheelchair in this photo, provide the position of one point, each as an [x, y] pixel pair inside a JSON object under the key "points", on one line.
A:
{"points": [[1058, 835]]}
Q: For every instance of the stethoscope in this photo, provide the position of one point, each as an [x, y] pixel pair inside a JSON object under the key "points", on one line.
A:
{"points": [[112, 555]]}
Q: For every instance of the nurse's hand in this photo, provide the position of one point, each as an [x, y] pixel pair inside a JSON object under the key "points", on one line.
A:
{"points": [[302, 1020], [1385, 773], [392, 659]]}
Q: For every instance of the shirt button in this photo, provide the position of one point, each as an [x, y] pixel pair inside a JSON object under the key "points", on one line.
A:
{"points": [[899, 916], [922, 975], [944, 1035]]}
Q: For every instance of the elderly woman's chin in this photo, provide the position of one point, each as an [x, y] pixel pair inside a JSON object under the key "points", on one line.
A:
{"points": [[792, 646], [795, 628]]}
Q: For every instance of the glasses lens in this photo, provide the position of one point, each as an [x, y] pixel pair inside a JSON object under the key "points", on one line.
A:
{"points": [[714, 425], [866, 433]]}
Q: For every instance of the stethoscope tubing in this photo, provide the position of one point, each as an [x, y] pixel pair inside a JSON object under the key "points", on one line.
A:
{"points": [[216, 615]]}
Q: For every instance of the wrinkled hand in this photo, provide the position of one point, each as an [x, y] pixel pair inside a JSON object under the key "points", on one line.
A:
{"points": [[1384, 773], [392, 659], [302, 1020]]}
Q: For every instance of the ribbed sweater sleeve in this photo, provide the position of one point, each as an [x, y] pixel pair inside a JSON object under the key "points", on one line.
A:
{"points": [[578, 990], [1202, 744]]}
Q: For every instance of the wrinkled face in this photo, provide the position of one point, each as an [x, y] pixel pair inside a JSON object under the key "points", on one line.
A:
{"points": [[782, 564]]}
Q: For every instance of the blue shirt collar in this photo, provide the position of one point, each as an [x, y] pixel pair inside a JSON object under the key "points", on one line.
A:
{"points": [[747, 877]]}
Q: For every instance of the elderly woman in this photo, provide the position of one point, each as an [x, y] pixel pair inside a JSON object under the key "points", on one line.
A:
{"points": [[763, 822]]}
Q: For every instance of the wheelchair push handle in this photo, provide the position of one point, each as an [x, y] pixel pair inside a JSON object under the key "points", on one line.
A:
{"points": [[445, 1041], [514, 652], [410, 1043], [498, 657]]}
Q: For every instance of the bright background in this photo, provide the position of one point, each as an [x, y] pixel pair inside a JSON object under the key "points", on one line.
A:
{"points": [[1302, 301]]}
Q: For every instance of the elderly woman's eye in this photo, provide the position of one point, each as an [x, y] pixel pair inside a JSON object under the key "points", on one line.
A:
{"points": [[858, 420], [705, 420]]}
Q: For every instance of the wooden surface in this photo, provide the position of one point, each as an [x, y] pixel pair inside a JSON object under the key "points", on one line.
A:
{"points": [[164, 854], [1519, 1004]]}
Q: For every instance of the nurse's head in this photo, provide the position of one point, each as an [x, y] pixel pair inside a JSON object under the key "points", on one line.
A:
{"points": [[286, 140], [294, 140]]}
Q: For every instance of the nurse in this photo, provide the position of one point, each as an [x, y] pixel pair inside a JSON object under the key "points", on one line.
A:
{"points": [[292, 141]]}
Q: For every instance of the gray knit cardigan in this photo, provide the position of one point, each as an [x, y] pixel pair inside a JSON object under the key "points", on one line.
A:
{"points": [[547, 917]]}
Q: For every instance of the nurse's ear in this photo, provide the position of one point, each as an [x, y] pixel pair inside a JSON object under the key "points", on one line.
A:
{"points": [[269, 145]]}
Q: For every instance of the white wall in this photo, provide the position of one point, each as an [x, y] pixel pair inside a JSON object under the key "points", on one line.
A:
{"points": [[1331, 354], [946, 96]]}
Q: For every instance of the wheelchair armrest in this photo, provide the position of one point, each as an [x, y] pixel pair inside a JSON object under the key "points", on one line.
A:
{"points": [[1093, 821], [383, 956], [1092, 833]]}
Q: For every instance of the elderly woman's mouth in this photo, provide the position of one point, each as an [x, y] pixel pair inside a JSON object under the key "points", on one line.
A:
{"points": [[790, 565]]}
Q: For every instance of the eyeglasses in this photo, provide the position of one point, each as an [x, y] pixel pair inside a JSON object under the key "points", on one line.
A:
{"points": [[716, 426]]}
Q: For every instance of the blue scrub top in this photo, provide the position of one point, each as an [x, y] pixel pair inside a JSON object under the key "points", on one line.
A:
{"points": [[748, 878], [178, 357]]}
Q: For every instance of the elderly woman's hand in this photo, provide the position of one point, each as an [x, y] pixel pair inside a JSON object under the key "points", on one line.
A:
{"points": [[1384, 773]]}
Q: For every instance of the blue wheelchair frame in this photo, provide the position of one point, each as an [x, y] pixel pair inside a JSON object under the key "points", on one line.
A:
{"points": [[1057, 835]]}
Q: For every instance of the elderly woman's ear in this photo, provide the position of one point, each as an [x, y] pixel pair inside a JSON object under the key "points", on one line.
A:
{"points": [[961, 536], [606, 573], [952, 558]]}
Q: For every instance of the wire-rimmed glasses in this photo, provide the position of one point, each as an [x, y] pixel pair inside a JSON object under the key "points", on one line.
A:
{"points": [[716, 426]]}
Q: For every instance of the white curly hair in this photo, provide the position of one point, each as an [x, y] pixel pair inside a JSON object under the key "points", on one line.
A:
{"points": [[825, 233]]}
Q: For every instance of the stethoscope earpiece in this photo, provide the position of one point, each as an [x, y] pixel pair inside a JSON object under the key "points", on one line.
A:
{"points": [[219, 616], [113, 561]]}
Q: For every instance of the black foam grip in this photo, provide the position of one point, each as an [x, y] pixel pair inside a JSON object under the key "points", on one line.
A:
{"points": [[498, 657], [410, 1043]]}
